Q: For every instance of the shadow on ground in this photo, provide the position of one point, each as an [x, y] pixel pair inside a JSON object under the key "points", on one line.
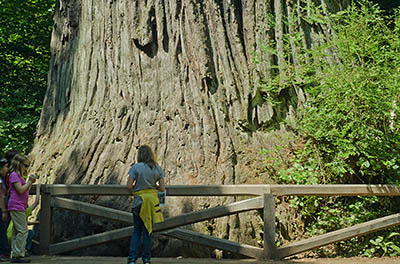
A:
{"points": [[119, 260]]}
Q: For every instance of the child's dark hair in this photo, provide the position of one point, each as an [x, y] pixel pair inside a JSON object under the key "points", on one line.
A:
{"points": [[17, 162], [10, 155], [3, 161], [145, 155]]}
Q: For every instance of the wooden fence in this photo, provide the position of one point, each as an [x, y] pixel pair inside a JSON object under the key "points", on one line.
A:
{"points": [[262, 198]]}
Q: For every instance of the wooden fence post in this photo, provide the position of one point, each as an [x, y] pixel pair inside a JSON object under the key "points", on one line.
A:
{"points": [[45, 222], [269, 227]]}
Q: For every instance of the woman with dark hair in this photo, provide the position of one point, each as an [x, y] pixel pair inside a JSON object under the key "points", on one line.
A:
{"points": [[17, 204], [10, 155], [145, 178]]}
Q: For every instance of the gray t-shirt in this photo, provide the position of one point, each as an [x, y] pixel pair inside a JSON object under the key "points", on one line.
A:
{"points": [[145, 177]]}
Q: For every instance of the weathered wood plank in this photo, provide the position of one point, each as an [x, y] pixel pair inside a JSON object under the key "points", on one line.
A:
{"points": [[233, 190], [269, 227], [339, 235], [173, 190], [86, 189], [126, 217], [218, 190], [94, 210], [45, 223], [173, 222], [336, 189], [88, 241], [214, 242], [219, 211]]}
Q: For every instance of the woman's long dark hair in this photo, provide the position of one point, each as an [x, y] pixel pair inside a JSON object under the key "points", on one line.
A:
{"points": [[145, 155]]}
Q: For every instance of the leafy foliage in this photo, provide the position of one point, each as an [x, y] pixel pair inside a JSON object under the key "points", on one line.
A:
{"points": [[348, 130], [350, 123], [25, 29], [353, 115]]}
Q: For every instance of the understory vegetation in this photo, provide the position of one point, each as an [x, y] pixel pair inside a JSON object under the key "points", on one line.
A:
{"points": [[348, 131]]}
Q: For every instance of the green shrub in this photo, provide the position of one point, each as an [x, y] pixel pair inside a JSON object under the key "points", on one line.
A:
{"points": [[349, 127]]}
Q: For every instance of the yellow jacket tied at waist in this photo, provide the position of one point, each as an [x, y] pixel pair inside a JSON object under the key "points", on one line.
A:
{"points": [[150, 212]]}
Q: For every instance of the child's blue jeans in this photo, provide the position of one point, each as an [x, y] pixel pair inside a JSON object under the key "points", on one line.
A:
{"points": [[139, 231]]}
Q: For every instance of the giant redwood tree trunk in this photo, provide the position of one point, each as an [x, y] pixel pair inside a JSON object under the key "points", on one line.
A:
{"points": [[178, 75]]}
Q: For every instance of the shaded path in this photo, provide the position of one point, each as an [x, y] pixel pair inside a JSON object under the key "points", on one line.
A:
{"points": [[115, 260]]}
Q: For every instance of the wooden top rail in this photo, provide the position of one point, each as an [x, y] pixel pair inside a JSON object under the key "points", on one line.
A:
{"points": [[172, 190], [232, 190], [336, 189]]}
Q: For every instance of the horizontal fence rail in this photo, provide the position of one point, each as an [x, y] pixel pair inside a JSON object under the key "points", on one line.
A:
{"points": [[336, 190], [172, 190], [339, 235], [232, 190], [56, 196]]}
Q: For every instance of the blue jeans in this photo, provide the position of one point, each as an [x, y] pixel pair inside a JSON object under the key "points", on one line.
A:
{"points": [[4, 248], [29, 239], [139, 230]]}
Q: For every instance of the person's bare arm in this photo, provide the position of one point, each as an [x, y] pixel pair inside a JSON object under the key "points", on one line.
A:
{"points": [[36, 202], [130, 183], [33, 222], [161, 185], [23, 188]]}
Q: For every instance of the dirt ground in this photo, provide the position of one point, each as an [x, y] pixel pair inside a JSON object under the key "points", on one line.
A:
{"points": [[114, 260]]}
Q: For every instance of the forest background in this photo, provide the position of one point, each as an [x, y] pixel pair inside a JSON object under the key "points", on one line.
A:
{"points": [[347, 131]]}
